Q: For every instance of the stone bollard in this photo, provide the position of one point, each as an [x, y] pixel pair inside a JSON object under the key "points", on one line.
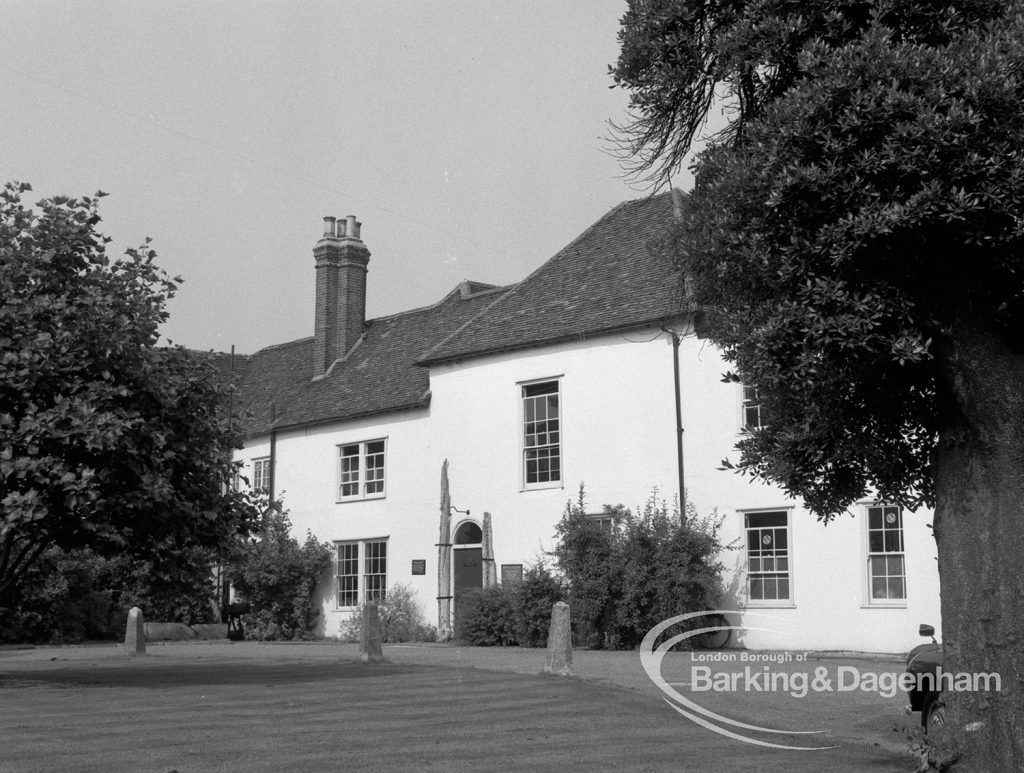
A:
{"points": [[370, 637], [135, 633], [559, 642]]}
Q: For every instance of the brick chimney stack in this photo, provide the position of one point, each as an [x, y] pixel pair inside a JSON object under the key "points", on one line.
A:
{"points": [[341, 259]]}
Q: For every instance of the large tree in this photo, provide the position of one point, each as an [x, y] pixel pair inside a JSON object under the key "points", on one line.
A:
{"points": [[107, 440], [857, 249]]}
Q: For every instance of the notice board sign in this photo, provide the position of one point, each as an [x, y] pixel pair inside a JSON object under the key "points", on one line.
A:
{"points": [[419, 566], [511, 574]]}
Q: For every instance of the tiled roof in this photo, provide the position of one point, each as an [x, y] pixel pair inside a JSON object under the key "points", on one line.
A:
{"points": [[379, 374], [607, 279]]}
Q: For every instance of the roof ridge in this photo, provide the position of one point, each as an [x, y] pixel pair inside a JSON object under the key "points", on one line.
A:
{"points": [[436, 304], [283, 345], [425, 359]]}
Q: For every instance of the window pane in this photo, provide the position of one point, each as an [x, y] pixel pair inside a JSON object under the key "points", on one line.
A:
{"points": [[894, 566], [892, 541], [752, 417], [878, 588], [545, 388], [897, 589], [875, 518], [756, 588], [541, 409], [777, 518]]}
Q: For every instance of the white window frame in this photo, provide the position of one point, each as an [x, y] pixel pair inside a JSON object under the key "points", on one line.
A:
{"points": [[369, 582], [900, 553], [374, 487], [261, 474], [790, 600], [750, 400], [524, 436]]}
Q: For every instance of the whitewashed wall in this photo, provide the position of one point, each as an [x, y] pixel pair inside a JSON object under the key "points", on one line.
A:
{"points": [[618, 440]]}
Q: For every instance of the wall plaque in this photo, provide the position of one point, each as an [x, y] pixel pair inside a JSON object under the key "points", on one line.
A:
{"points": [[511, 574], [419, 566]]}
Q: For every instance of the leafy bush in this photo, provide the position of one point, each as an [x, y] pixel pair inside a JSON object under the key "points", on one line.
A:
{"points": [[624, 580], [505, 615], [587, 557], [486, 617], [534, 597], [401, 619], [279, 578]]}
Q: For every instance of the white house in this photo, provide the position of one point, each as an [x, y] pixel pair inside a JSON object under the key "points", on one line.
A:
{"points": [[568, 377]]}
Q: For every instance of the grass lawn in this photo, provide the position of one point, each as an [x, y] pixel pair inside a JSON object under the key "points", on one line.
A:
{"points": [[310, 710]]}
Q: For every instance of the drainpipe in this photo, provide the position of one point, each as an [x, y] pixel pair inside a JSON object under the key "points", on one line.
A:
{"points": [[273, 452], [679, 421]]}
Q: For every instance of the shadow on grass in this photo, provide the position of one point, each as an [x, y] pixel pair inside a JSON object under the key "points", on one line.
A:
{"points": [[143, 673]]}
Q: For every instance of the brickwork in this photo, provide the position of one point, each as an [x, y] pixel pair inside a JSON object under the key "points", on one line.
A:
{"points": [[340, 299]]}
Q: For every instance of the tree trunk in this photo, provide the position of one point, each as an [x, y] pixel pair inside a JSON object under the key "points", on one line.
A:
{"points": [[979, 531]]}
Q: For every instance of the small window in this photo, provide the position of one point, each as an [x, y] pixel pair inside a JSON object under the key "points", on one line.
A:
{"points": [[753, 409], [603, 521], [261, 475], [887, 579], [361, 470], [542, 437], [360, 582], [768, 564]]}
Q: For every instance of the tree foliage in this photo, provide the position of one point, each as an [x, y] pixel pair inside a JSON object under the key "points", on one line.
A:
{"points": [[855, 248], [279, 577], [870, 216], [107, 441], [76, 595], [679, 58]]}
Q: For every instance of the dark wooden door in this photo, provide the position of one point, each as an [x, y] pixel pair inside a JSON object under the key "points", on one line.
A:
{"points": [[468, 574], [469, 570]]}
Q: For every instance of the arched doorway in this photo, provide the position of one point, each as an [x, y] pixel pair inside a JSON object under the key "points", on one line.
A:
{"points": [[467, 563]]}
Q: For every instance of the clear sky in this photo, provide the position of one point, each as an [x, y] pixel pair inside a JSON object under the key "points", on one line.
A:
{"points": [[468, 136]]}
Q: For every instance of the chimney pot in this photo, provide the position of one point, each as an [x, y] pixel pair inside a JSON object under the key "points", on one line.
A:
{"points": [[329, 227], [353, 227], [341, 228]]}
